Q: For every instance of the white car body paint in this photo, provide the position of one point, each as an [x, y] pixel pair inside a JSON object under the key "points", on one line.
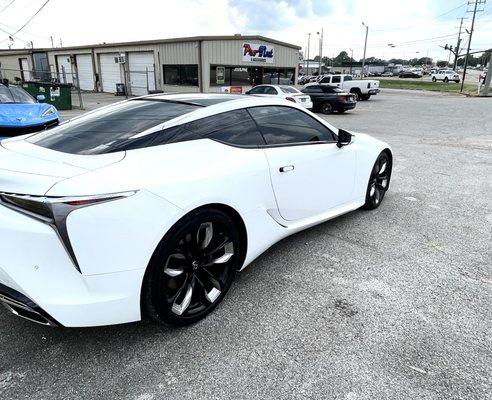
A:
{"points": [[114, 241]]}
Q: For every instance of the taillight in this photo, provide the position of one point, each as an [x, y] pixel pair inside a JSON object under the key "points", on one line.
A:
{"points": [[290, 99], [343, 99]]}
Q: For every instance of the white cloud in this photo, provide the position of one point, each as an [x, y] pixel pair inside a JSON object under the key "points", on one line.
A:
{"points": [[390, 21]]}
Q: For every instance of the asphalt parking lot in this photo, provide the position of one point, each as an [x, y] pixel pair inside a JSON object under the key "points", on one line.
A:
{"points": [[390, 304]]}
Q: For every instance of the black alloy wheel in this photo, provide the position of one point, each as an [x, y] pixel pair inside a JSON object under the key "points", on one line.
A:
{"points": [[192, 269], [326, 108], [378, 182]]}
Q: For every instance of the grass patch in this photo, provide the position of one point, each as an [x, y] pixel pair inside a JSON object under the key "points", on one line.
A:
{"points": [[450, 87]]}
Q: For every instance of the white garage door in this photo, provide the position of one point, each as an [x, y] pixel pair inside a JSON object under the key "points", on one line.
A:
{"points": [[64, 69], [141, 67], [85, 71], [110, 72]]}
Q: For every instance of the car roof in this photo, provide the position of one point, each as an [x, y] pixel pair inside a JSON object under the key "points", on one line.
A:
{"points": [[223, 103]]}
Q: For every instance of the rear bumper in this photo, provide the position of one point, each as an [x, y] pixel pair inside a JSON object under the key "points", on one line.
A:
{"points": [[24, 307], [10, 131], [37, 273], [348, 106], [307, 104]]}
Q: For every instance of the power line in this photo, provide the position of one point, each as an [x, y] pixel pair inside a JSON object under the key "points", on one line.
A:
{"points": [[408, 27], [7, 6], [29, 20]]}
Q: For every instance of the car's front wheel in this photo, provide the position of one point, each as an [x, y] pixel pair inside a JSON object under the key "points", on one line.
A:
{"points": [[192, 268], [434, 79], [446, 79], [378, 181]]}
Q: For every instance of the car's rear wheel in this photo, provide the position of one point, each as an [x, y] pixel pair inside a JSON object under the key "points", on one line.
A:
{"points": [[326, 108], [358, 94], [446, 79], [192, 269], [378, 181], [365, 97]]}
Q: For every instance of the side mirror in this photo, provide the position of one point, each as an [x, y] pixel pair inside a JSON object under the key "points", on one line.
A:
{"points": [[344, 138], [41, 98], [248, 92]]}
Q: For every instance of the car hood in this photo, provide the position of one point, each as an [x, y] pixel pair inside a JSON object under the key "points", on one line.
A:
{"points": [[29, 169]]}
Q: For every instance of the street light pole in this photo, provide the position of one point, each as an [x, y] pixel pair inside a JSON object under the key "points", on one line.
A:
{"points": [[320, 50], [309, 42], [365, 47]]}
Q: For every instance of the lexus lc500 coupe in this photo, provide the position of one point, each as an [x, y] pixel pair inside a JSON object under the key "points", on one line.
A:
{"points": [[150, 206]]}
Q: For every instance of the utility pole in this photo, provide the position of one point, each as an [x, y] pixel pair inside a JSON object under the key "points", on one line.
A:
{"points": [[365, 47], [309, 42], [475, 3], [457, 48], [351, 59], [320, 50], [52, 44]]}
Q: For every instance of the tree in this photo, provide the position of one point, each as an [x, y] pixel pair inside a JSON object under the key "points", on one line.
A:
{"points": [[425, 61], [442, 64], [398, 61]]}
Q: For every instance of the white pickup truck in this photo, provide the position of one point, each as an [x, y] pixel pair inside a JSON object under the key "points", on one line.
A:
{"points": [[363, 89]]}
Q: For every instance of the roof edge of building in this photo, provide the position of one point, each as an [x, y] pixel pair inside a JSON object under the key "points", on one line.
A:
{"points": [[151, 42]]}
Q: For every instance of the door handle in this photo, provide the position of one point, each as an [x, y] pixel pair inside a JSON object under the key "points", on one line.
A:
{"points": [[287, 168]]}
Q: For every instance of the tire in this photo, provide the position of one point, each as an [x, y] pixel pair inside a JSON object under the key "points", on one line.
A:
{"points": [[326, 108], [365, 97], [434, 79], [192, 268], [446, 79], [358, 94], [341, 111], [378, 181]]}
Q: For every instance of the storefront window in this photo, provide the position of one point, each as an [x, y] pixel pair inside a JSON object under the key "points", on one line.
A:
{"points": [[250, 76], [186, 75]]}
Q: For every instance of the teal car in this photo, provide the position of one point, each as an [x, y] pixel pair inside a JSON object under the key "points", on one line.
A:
{"points": [[20, 113]]}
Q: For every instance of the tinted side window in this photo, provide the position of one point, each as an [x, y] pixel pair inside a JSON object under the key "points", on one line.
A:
{"points": [[258, 90], [270, 90], [284, 125], [336, 79], [233, 127]]}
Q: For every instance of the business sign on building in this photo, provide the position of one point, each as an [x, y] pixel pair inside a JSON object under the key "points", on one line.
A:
{"points": [[254, 52]]}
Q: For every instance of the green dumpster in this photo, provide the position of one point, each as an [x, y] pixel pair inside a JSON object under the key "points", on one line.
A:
{"points": [[58, 94]]}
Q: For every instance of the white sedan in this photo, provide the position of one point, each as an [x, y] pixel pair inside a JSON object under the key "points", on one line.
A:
{"points": [[282, 92], [150, 206]]}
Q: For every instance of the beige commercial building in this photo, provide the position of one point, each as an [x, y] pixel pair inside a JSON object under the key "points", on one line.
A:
{"points": [[194, 64]]}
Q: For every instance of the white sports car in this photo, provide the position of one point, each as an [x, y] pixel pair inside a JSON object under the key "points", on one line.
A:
{"points": [[151, 205], [284, 92]]}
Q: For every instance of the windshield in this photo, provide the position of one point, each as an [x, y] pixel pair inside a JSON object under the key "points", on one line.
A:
{"points": [[101, 131], [289, 89], [14, 94]]}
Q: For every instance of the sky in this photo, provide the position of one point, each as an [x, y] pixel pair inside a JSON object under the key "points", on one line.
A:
{"points": [[417, 28]]}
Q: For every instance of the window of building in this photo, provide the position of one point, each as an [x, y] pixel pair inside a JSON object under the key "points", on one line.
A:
{"points": [[285, 125], [186, 75]]}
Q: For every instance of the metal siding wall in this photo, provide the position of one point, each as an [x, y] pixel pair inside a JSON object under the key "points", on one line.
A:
{"points": [[12, 62]]}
